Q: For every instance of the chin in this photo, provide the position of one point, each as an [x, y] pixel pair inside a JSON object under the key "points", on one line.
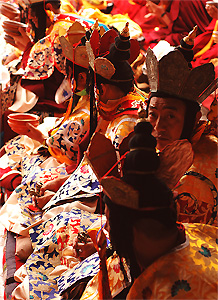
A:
{"points": [[162, 144]]}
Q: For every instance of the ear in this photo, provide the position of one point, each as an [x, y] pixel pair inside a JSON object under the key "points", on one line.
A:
{"points": [[103, 89], [48, 6], [82, 77], [70, 73], [198, 116], [81, 81]]}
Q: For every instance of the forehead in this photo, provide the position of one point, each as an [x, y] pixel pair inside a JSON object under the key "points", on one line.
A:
{"points": [[159, 103], [31, 10]]}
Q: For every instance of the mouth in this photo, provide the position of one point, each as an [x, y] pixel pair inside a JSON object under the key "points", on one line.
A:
{"points": [[161, 138], [162, 142]]}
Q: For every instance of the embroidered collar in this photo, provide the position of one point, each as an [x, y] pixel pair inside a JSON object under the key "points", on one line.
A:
{"points": [[128, 104]]}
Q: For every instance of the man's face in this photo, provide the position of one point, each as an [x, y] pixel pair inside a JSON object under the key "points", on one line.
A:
{"points": [[166, 115]]}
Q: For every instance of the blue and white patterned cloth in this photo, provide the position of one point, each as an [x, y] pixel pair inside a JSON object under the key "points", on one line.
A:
{"points": [[87, 268]]}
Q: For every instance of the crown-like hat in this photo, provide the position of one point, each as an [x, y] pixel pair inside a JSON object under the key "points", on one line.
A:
{"points": [[30, 2], [112, 57], [171, 76], [72, 49]]}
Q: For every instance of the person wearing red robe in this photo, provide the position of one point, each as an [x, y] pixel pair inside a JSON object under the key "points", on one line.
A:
{"points": [[175, 17]]}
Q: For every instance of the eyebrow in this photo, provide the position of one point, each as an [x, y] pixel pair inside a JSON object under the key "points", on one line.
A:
{"points": [[164, 107]]}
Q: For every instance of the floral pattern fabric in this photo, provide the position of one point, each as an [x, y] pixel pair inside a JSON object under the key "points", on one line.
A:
{"points": [[49, 240], [20, 157], [32, 174], [83, 182], [47, 53], [87, 268], [64, 141], [116, 280], [189, 272], [197, 189]]}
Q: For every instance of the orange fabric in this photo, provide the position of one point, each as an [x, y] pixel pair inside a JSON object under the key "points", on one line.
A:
{"points": [[197, 189], [209, 44], [187, 272]]}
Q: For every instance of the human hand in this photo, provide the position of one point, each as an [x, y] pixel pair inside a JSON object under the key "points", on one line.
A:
{"points": [[215, 37], [83, 249], [41, 201], [34, 133], [212, 10], [22, 40], [155, 9]]}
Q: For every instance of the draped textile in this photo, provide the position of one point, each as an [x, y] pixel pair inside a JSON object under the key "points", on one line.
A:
{"points": [[189, 271]]}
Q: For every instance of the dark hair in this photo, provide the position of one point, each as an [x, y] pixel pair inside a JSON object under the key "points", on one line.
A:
{"points": [[125, 87], [76, 69], [122, 220], [39, 10], [39, 32], [139, 168], [56, 4], [192, 108], [121, 234]]}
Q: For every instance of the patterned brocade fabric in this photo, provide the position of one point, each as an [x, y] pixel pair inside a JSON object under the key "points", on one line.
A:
{"points": [[116, 280], [50, 241], [47, 53], [188, 272], [64, 141], [197, 198], [83, 183]]}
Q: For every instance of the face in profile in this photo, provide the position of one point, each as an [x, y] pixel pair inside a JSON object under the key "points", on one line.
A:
{"points": [[167, 116], [32, 16]]}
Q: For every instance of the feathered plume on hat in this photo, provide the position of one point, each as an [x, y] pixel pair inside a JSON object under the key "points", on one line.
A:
{"points": [[110, 56], [171, 76]]}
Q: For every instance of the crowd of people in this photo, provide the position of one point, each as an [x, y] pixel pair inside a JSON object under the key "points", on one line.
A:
{"points": [[114, 194]]}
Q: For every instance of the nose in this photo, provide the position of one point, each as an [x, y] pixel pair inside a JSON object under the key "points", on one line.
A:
{"points": [[159, 124], [29, 13]]}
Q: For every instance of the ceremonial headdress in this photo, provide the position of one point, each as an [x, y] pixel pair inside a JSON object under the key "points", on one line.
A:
{"points": [[147, 176], [30, 2], [73, 42], [72, 47], [110, 56], [172, 77]]}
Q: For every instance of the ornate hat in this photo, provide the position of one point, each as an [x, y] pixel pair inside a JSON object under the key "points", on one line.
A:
{"points": [[71, 46], [30, 2], [113, 63], [73, 42], [172, 76], [38, 1]]}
